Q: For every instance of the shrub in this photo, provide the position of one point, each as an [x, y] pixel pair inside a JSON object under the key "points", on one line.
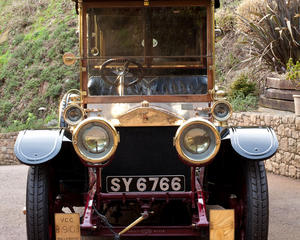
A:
{"points": [[243, 94], [241, 103], [30, 120], [54, 90], [293, 73], [6, 107], [242, 85]]}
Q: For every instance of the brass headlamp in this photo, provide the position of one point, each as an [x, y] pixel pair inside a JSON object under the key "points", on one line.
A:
{"points": [[95, 140], [197, 141], [221, 109], [73, 113]]}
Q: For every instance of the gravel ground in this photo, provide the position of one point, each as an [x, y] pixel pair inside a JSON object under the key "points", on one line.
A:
{"points": [[284, 206]]}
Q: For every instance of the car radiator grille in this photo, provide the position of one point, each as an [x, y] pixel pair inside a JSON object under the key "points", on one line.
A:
{"points": [[146, 151]]}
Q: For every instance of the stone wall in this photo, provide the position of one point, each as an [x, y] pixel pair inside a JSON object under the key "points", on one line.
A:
{"points": [[7, 142], [286, 161]]}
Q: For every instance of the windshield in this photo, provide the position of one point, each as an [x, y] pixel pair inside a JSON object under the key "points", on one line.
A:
{"points": [[146, 51]]}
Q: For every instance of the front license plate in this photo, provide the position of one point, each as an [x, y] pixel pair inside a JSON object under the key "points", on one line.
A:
{"points": [[67, 226], [145, 183]]}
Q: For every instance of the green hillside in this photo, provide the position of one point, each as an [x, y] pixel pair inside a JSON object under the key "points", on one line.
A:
{"points": [[34, 35]]}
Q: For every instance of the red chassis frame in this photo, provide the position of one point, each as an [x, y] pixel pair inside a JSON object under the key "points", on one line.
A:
{"points": [[90, 224]]}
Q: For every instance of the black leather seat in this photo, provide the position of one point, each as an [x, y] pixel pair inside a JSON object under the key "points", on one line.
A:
{"points": [[179, 85], [150, 86]]}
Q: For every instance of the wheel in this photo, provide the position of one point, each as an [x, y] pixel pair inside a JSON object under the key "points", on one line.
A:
{"points": [[252, 212], [135, 76], [40, 202]]}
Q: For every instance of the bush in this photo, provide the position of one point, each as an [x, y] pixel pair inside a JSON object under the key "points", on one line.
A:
{"points": [[241, 103], [54, 90], [243, 94], [293, 73], [241, 84], [6, 107]]}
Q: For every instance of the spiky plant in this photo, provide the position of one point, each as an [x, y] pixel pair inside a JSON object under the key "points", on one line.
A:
{"points": [[276, 37]]}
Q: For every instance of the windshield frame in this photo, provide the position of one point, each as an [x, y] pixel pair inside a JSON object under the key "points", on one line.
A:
{"points": [[150, 98]]}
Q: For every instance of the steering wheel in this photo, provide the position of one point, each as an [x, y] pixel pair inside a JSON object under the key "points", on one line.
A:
{"points": [[122, 72]]}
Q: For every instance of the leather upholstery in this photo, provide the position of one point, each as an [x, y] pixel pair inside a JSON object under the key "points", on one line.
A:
{"points": [[153, 86]]}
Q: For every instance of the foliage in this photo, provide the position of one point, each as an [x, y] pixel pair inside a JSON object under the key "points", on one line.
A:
{"points": [[243, 94], [247, 8], [30, 120], [293, 73], [241, 103], [242, 85], [276, 37], [32, 73], [225, 20]]}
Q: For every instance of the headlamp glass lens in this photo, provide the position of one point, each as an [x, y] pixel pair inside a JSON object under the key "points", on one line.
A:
{"points": [[221, 110], [95, 139], [197, 141], [74, 114]]}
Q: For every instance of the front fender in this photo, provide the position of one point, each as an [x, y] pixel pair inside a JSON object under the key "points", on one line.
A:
{"points": [[255, 143], [35, 147]]}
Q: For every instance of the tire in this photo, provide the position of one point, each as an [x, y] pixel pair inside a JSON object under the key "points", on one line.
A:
{"points": [[40, 201], [253, 220]]}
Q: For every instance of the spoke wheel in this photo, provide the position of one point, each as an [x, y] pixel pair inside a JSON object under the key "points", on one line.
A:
{"points": [[40, 203], [131, 76], [252, 211]]}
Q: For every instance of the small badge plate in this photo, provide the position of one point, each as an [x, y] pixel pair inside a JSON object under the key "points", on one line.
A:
{"points": [[67, 226], [187, 106]]}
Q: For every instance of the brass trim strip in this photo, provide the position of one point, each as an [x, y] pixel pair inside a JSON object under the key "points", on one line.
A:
{"points": [[160, 66], [213, 42], [80, 41]]}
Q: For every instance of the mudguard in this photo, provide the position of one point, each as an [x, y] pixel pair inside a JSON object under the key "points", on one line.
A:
{"points": [[35, 147], [255, 143]]}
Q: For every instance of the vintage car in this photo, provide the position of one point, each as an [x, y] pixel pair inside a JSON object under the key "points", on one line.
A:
{"points": [[143, 147]]}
